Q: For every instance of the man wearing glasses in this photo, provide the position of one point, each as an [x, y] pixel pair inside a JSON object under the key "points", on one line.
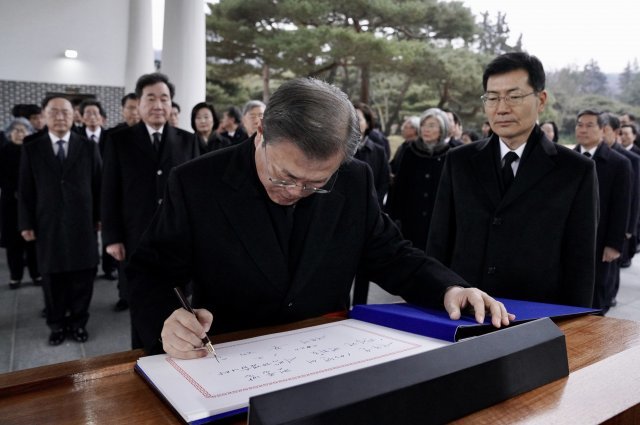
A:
{"points": [[516, 214], [274, 229]]}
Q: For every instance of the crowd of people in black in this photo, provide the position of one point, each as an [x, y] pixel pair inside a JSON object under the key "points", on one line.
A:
{"points": [[61, 195], [508, 210]]}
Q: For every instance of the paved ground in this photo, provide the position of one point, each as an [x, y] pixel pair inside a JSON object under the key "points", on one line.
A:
{"points": [[24, 334]]}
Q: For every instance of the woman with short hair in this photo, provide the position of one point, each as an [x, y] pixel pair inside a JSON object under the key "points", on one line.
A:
{"points": [[19, 251]]}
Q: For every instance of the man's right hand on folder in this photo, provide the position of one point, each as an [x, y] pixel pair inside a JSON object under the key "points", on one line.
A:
{"points": [[458, 298], [182, 333]]}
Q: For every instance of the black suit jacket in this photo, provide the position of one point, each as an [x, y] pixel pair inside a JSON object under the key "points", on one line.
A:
{"points": [[135, 178], [214, 229], [635, 149], [614, 182], [61, 202], [634, 187], [374, 155], [103, 135], [239, 136], [537, 242], [9, 172]]}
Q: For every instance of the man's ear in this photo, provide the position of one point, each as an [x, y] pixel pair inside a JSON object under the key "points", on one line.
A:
{"points": [[543, 100]]}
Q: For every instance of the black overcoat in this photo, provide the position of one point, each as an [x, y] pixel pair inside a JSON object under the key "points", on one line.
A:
{"points": [[61, 202], [634, 187], [214, 229], [135, 178], [413, 196], [9, 170], [614, 181], [537, 242], [374, 155]]}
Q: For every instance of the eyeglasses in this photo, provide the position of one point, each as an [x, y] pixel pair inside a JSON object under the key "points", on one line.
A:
{"points": [[491, 100], [307, 189], [588, 126]]}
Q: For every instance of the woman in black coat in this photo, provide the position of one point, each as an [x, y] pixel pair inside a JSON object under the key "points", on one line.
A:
{"points": [[205, 122], [19, 252], [413, 195]]}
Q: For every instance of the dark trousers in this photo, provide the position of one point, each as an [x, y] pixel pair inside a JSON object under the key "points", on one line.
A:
{"points": [[629, 250], [360, 290], [20, 254], [124, 292], [123, 286], [604, 290], [68, 292]]}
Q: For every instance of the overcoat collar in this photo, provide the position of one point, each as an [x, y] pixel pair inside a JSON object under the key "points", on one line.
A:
{"points": [[537, 161]]}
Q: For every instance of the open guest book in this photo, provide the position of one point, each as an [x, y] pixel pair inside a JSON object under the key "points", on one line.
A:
{"points": [[204, 389]]}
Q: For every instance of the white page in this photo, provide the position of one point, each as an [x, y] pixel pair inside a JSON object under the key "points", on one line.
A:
{"points": [[203, 387]]}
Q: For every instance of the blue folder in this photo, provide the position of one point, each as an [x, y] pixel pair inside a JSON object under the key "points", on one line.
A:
{"points": [[437, 324]]}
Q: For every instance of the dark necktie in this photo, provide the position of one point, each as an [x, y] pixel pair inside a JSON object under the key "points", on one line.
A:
{"points": [[507, 171], [587, 154], [93, 138], [60, 153], [156, 142]]}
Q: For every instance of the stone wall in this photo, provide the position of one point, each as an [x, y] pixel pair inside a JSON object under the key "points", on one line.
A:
{"points": [[14, 92]]}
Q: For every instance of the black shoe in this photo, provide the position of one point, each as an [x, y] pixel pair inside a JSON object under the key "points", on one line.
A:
{"points": [[37, 281], [625, 264], [80, 334], [614, 302], [14, 284], [109, 276], [57, 337], [43, 313], [121, 305]]}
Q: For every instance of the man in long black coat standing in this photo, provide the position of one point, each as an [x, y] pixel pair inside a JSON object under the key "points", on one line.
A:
{"points": [[516, 214], [614, 187], [59, 193], [137, 161]]}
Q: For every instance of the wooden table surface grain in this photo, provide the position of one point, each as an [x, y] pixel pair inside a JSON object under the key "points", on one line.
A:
{"points": [[604, 385]]}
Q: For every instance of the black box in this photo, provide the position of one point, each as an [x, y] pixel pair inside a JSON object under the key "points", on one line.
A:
{"points": [[429, 388]]}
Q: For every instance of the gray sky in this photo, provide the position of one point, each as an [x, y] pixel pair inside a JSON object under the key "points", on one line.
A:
{"points": [[567, 32], [560, 32]]}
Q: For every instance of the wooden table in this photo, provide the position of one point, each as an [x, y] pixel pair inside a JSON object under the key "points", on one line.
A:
{"points": [[604, 385]]}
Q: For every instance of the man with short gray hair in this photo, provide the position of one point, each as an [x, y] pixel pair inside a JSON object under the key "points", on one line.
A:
{"points": [[59, 209], [252, 113], [274, 229]]}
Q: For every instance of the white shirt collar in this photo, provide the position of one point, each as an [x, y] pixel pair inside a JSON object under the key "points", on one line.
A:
{"points": [[592, 151], [96, 133], [55, 138], [504, 149], [152, 130]]}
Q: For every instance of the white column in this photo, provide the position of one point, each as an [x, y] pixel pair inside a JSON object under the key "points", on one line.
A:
{"points": [[140, 58], [184, 53]]}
